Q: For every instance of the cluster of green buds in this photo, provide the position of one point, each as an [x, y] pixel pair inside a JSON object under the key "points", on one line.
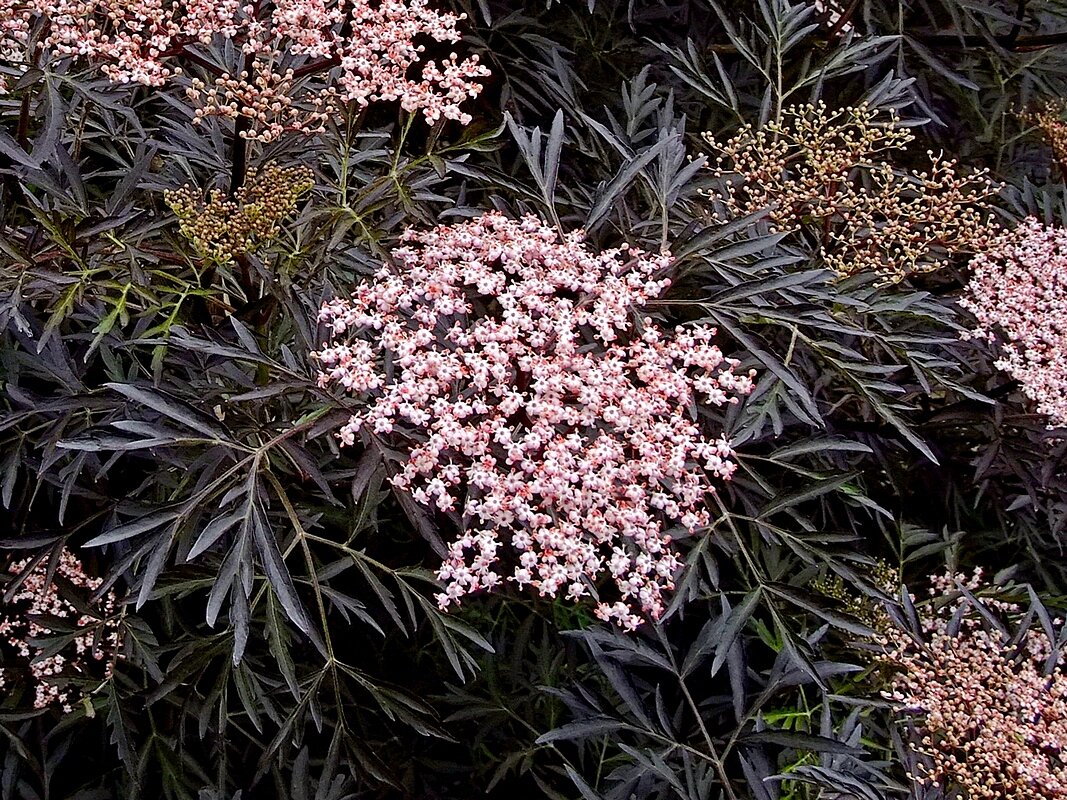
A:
{"points": [[223, 228], [867, 610]]}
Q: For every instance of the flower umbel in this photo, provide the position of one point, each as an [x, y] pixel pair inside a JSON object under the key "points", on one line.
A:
{"points": [[1018, 295], [367, 51], [536, 406], [990, 719], [15, 22], [24, 621], [827, 173], [223, 228]]}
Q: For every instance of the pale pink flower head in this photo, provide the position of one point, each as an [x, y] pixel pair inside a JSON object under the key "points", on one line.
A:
{"points": [[1018, 295], [301, 59], [537, 406], [25, 619], [15, 21]]}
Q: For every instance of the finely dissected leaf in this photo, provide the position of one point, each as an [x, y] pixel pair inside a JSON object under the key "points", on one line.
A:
{"points": [[758, 783], [584, 729], [611, 193], [801, 741], [225, 581], [170, 408], [795, 498], [620, 683], [212, 532], [277, 574], [135, 527], [586, 790], [736, 620], [819, 444], [153, 569]]}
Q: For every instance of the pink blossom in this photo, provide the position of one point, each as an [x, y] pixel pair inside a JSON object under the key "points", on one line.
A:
{"points": [[38, 597], [368, 49], [15, 22], [1018, 294], [532, 398]]}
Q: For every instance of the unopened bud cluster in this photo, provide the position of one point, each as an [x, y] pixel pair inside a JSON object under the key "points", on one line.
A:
{"points": [[366, 49], [1018, 295], [222, 228], [25, 620], [537, 407], [868, 610], [990, 721], [266, 98], [1048, 119], [827, 175]]}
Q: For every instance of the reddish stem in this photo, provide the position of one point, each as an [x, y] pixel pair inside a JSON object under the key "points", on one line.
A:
{"points": [[316, 67]]}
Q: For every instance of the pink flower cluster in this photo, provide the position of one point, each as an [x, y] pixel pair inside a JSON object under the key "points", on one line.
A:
{"points": [[26, 619], [1018, 294], [369, 48], [537, 407], [992, 724], [15, 22]]}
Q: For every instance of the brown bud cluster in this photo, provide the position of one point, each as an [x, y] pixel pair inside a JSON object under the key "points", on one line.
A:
{"points": [[1048, 119], [827, 176], [223, 228], [987, 718], [266, 98], [25, 623]]}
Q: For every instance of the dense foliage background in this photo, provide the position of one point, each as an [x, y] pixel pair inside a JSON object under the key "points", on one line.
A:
{"points": [[161, 417]]}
